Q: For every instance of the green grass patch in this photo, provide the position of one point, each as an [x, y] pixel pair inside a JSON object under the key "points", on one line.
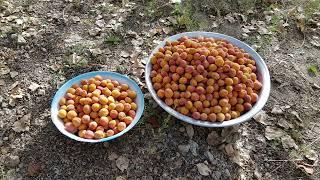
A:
{"points": [[185, 14], [313, 69], [112, 40]]}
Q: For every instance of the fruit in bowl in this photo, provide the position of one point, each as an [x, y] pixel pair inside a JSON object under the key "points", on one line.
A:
{"points": [[206, 78], [97, 106]]}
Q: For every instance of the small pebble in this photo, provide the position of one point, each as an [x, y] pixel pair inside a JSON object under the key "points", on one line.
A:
{"points": [[12, 161], [184, 148], [190, 131]]}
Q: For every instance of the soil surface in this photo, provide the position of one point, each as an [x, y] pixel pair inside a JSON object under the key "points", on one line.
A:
{"points": [[43, 43]]}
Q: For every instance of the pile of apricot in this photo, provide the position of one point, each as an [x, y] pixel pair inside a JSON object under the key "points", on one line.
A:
{"points": [[204, 78], [97, 108]]}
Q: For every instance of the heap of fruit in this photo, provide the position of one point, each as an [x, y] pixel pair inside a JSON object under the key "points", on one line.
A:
{"points": [[204, 78], [97, 108]]}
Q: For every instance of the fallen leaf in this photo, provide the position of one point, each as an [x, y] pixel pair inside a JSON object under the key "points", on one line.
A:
{"points": [[261, 117], [229, 150], [4, 69], [307, 168], [311, 155], [34, 86], [190, 131], [285, 124], [122, 163], [273, 133], [22, 124], [194, 147], [34, 169], [2, 82], [277, 110], [214, 139], [288, 142], [154, 122], [203, 169]]}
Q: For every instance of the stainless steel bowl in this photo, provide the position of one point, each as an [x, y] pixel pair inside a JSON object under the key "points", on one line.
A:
{"points": [[263, 76]]}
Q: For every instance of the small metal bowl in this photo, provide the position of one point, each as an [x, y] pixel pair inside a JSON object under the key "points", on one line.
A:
{"points": [[76, 80], [262, 74]]}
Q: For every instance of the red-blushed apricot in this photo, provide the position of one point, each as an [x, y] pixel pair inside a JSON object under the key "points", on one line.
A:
{"points": [[109, 133], [189, 105], [103, 112], [161, 93], [227, 116], [128, 100], [113, 114], [247, 106], [62, 101], [99, 134], [70, 127], [71, 114], [100, 128], [169, 101], [134, 106], [223, 102], [94, 115], [206, 110], [76, 121], [62, 113], [196, 115], [127, 107], [96, 107], [121, 126], [103, 100], [257, 85], [223, 93], [85, 119], [214, 102], [89, 134], [168, 93], [81, 133], [95, 99], [70, 101], [121, 115], [132, 94], [217, 109], [225, 109], [203, 116], [112, 124], [111, 106], [198, 104], [120, 107], [128, 120], [106, 92], [104, 121], [233, 114], [63, 107], [254, 97], [132, 113], [220, 117], [239, 107], [184, 110], [212, 117], [93, 125]]}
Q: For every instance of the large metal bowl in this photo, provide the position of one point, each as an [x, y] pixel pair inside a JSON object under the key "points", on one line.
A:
{"points": [[106, 75], [263, 76]]}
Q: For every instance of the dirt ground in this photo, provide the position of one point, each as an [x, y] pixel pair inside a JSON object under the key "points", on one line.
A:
{"points": [[43, 43]]}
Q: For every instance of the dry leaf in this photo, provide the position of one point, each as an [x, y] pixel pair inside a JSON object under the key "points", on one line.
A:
{"points": [[214, 139], [34, 169], [229, 150], [273, 133], [307, 168], [288, 142], [154, 122], [203, 169], [122, 163]]}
